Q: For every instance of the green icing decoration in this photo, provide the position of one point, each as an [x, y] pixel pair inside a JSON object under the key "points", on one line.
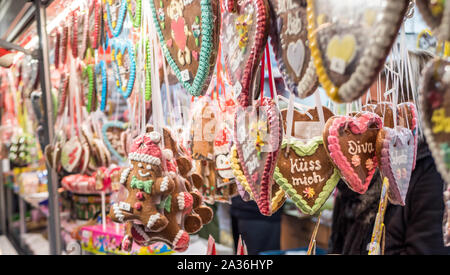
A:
{"points": [[145, 185], [166, 204], [205, 52], [136, 19], [302, 149]]}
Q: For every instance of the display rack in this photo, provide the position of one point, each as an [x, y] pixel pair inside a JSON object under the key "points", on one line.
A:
{"points": [[34, 32]]}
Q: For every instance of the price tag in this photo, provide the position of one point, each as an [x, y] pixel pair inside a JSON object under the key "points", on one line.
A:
{"points": [[337, 65], [185, 75], [124, 206]]}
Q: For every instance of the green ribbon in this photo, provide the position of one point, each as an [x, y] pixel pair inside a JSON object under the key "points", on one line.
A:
{"points": [[166, 204], [145, 185]]}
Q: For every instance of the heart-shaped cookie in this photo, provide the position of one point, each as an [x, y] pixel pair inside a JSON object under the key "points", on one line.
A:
{"points": [[124, 66], [101, 83], [306, 174], [349, 42], [435, 112], [116, 11], [134, 11], [95, 17], [112, 132], [243, 37], [384, 110], [258, 137], [289, 39], [278, 196], [395, 150], [351, 142], [185, 27], [436, 14], [407, 117], [71, 154]]}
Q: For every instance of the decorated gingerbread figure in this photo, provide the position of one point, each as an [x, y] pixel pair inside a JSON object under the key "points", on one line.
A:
{"points": [[151, 196]]}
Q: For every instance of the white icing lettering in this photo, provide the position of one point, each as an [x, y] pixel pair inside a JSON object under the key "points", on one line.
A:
{"points": [[356, 148]]}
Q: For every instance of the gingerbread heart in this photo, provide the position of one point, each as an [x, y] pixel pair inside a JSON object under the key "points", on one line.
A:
{"points": [[112, 132], [116, 11], [124, 66], [278, 196], [350, 41], [350, 142], [384, 110], [95, 17], [71, 154], [290, 43], [395, 150], [306, 174], [258, 136], [407, 117], [244, 36], [437, 15], [191, 26], [134, 11], [434, 111]]}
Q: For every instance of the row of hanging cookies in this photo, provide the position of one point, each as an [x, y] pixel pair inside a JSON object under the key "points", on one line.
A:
{"points": [[315, 39]]}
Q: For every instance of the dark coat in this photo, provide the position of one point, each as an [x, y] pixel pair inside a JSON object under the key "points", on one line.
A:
{"points": [[415, 228]]}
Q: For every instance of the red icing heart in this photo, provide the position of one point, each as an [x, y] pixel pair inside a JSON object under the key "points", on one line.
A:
{"points": [[195, 54], [350, 142], [243, 37], [258, 159]]}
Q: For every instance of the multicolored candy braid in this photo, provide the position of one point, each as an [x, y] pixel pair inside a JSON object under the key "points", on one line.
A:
{"points": [[119, 46], [91, 102], [64, 38], [117, 29], [57, 45], [100, 68], [148, 75], [136, 17]]}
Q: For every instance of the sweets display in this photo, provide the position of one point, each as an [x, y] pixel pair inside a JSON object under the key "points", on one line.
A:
{"points": [[162, 110]]}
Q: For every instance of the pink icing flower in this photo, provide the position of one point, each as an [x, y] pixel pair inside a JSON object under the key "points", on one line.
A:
{"points": [[370, 164], [356, 160]]}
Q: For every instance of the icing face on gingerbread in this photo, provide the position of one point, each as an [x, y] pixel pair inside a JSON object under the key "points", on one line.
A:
{"points": [[223, 167]]}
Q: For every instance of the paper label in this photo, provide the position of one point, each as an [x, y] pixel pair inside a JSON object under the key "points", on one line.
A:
{"points": [[124, 206], [307, 129], [185, 75], [337, 65]]}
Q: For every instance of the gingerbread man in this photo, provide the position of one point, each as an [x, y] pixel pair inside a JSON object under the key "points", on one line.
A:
{"points": [[149, 184]]}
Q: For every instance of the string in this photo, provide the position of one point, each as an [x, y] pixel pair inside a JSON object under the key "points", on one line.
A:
{"points": [[319, 109], [262, 77], [289, 121], [269, 67]]}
